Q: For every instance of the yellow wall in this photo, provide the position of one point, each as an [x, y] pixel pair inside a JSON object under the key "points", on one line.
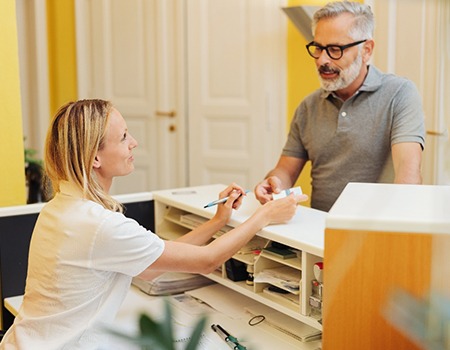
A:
{"points": [[12, 169], [63, 88], [302, 79], [61, 52]]}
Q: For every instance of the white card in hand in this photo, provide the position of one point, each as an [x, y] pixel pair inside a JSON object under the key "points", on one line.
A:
{"points": [[285, 193]]}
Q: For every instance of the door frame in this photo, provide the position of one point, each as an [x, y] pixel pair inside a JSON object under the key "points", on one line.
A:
{"points": [[34, 72]]}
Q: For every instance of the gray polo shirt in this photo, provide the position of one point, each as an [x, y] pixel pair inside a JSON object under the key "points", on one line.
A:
{"points": [[351, 141]]}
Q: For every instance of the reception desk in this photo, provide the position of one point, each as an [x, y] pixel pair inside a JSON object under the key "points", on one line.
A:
{"points": [[285, 319], [379, 239], [186, 313]]}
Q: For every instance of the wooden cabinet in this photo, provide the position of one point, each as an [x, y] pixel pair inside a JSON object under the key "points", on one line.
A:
{"points": [[180, 210], [379, 239]]}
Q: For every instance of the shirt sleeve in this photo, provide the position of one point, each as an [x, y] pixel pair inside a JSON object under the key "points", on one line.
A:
{"points": [[122, 245], [409, 122], [294, 146]]}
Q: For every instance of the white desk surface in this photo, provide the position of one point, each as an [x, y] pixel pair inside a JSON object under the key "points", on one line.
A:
{"points": [[305, 231], [392, 208], [260, 337]]}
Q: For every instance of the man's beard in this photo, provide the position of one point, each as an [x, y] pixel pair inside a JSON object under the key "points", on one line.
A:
{"points": [[345, 77]]}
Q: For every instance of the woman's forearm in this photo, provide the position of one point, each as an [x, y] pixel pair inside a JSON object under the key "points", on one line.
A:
{"points": [[203, 233]]}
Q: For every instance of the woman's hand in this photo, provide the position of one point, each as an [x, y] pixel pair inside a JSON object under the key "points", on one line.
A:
{"points": [[224, 210], [281, 210]]}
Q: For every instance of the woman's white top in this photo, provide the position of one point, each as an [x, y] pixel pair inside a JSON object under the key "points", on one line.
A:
{"points": [[81, 262]]}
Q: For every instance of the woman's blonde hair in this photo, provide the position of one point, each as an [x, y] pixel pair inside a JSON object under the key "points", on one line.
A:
{"points": [[76, 133]]}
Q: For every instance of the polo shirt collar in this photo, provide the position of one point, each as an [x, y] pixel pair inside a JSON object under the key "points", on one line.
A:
{"points": [[371, 83]]}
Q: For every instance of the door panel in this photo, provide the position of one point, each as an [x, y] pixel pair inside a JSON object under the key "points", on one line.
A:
{"points": [[126, 53], [226, 59], [236, 89]]}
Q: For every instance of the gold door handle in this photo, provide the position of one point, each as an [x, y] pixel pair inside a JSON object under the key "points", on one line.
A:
{"points": [[170, 114], [437, 133]]}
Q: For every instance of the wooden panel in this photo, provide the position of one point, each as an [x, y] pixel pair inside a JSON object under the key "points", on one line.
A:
{"points": [[362, 268]]}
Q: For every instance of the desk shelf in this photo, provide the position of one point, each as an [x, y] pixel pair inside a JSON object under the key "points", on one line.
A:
{"points": [[177, 215]]}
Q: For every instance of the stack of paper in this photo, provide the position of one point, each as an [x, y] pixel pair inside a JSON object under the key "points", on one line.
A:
{"points": [[192, 220], [171, 283], [283, 276]]}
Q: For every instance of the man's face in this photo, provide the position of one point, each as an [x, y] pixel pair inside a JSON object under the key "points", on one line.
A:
{"points": [[333, 79], [347, 72]]}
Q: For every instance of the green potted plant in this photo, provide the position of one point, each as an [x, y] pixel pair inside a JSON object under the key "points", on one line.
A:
{"points": [[34, 174], [160, 335]]}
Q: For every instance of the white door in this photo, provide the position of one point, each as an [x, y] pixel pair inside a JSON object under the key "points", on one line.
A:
{"points": [[237, 89], [127, 53], [420, 52], [201, 84]]}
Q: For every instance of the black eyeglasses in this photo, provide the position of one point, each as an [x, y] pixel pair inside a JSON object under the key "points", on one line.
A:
{"points": [[334, 51]]}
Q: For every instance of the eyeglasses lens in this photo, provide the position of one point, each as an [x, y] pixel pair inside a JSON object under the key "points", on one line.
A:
{"points": [[335, 52]]}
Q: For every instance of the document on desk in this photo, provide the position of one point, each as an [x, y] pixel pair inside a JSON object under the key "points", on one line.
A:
{"points": [[218, 297], [171, 283], [186, 312], [183, 337], [287, 325], [241, 308]]}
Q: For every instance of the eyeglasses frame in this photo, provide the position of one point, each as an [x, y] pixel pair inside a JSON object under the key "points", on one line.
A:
{"points": [[341, 47]]}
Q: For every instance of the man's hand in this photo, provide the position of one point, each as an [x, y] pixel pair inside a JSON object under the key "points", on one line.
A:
{"points": [[264, 190]]}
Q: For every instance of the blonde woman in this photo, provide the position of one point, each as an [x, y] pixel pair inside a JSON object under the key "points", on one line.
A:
{"points": [[84, 251]]}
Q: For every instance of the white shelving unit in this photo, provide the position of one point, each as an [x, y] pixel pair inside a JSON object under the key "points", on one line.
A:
{"points": [[178, 211]]}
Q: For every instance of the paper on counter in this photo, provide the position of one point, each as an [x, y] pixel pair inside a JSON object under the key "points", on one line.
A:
{"points": [[224, 300]]}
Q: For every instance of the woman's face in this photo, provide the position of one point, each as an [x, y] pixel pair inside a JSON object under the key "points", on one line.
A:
{"points": [[115, 158]]}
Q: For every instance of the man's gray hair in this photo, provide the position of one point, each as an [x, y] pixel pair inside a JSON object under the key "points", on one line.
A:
{"points": [[363, 25]]}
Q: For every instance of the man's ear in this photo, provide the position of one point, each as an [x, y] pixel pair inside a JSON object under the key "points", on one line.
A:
{"points": [[97, 162], [368, 50]]}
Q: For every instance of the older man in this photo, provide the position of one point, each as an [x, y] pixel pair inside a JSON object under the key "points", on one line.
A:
{"points": [[360, 124]]}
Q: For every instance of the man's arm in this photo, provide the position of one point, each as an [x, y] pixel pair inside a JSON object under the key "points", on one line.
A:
{"points": [[407, 160], [281, 177]]}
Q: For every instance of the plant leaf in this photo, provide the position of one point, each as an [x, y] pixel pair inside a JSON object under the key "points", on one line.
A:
{"points": [[154, 331], [166, 326], [196, 334]]}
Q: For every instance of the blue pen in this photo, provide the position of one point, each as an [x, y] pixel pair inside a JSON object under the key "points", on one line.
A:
{"points": [[219, 201]]}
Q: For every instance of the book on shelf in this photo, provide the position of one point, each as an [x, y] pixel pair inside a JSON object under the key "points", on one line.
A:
{"points": [[282, 253]]}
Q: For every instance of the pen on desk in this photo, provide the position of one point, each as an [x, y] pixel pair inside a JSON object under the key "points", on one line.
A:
{"points": [[219, 201], [227, 337]]}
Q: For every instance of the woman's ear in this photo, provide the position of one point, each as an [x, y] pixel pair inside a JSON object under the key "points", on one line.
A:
{"points": [[97, 162]]}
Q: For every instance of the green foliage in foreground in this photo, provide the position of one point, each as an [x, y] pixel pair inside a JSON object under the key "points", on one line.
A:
{"points": [[160, 336]]}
